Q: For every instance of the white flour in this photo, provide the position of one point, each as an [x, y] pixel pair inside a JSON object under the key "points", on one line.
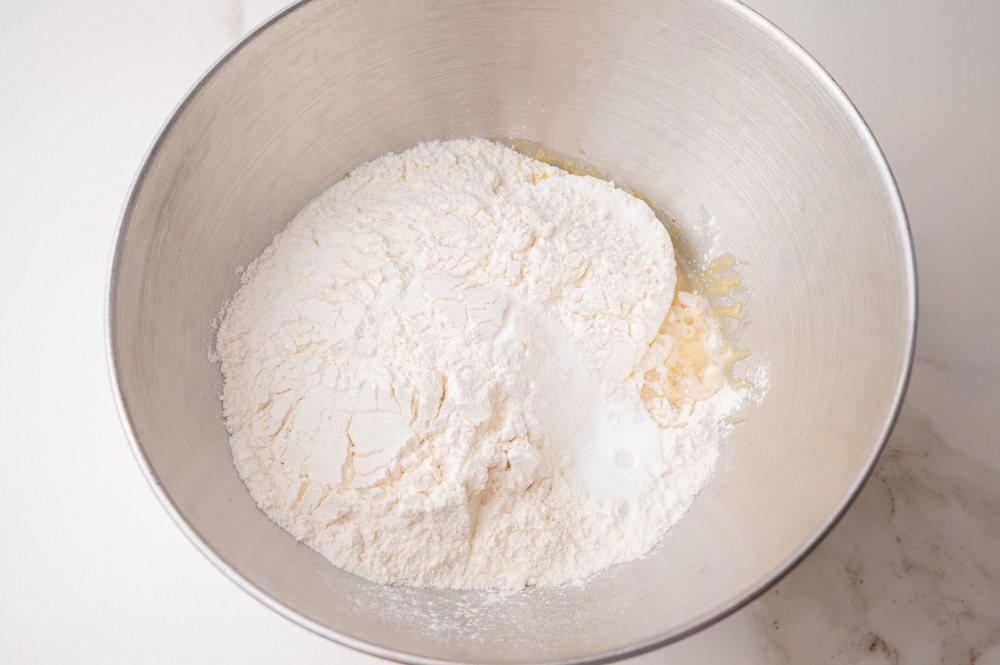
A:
{"points": [[439, 374]]}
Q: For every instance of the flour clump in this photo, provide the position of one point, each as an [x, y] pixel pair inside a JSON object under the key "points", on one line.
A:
{"points": [[453, 369]]}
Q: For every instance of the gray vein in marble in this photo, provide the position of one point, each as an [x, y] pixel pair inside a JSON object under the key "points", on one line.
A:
{"points": [[910, 575], [961, 402], [237, 12]]}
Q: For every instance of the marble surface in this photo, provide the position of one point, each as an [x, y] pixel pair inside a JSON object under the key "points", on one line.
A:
{"points": [[93, 569]]}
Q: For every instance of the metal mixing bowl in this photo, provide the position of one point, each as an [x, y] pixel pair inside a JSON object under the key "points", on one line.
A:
{"points": [[700, 105]]}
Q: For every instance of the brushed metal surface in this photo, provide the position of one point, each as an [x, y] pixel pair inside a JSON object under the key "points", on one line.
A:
{"points": [[700, 105]]}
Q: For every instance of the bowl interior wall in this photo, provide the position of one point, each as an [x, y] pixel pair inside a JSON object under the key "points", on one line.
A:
{"points": [[701, 107]]}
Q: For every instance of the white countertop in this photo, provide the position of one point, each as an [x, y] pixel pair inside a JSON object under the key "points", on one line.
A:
{"points": [[95, 571]]}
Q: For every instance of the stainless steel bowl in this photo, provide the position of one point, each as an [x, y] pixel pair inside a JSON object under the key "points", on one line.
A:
{"points": [[700, 105]]}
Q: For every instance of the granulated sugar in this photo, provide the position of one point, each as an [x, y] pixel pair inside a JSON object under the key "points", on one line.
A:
{"points": [[458, 368]]}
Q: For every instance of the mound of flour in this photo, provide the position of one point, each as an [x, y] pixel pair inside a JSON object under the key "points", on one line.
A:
{"points": [[434, 375]]}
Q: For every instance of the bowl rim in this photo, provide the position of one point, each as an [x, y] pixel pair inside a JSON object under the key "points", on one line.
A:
{"points": [[819, 74]]}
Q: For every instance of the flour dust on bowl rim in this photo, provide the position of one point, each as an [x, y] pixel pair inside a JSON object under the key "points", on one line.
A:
{"points": [[726, 126]]}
